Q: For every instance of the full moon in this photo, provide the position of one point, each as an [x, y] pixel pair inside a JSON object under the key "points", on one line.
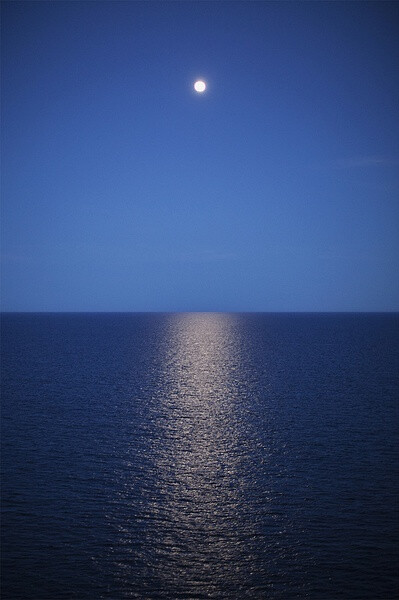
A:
{"points": [[200, 86]]}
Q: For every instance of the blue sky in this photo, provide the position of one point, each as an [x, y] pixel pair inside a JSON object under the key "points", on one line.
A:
{"points": [[276, 190]]}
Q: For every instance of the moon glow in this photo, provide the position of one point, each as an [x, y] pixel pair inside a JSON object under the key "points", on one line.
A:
{"points": [[200, 86]]}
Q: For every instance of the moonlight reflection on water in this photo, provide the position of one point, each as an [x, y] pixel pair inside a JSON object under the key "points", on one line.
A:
{"points": [[201, 462]]}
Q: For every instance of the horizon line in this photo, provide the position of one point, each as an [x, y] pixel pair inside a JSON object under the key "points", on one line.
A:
{"points": [[160, 312]]}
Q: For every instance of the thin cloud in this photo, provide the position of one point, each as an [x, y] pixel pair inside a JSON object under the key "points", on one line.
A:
{"points": [[365, 161], [357, 162], [205, 256], [10, 257], [196, 256]]}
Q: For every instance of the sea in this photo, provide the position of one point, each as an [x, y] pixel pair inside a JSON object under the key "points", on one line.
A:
{"points": [[200, 455]]}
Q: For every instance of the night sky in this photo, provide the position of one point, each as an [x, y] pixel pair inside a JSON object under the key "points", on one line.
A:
{"points": [[275, 190]]}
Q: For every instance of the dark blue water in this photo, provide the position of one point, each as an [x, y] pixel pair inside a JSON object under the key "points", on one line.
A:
{"points": [[200, 456]]}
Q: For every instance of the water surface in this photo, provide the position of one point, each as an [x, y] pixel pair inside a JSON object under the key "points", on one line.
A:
{"points": [[200, 455]]}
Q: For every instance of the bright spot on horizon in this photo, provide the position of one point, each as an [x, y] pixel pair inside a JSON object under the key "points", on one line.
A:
{"points": [[200, 86]]}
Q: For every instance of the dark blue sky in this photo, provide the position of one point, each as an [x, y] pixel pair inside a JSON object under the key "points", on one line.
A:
{"points": [[124, 190]]}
